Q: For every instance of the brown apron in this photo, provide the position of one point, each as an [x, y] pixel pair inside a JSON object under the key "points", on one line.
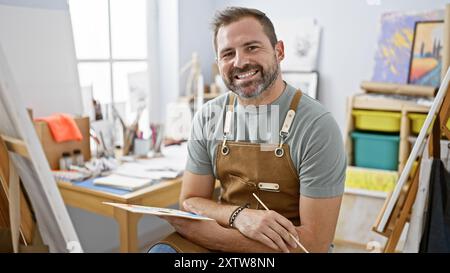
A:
{"points": [[245, 168]]}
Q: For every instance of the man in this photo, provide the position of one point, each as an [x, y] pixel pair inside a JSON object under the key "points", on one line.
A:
{"points": [[297, 169]]}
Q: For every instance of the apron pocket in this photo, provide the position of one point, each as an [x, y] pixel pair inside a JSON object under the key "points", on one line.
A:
{"points": [[244, 182]]}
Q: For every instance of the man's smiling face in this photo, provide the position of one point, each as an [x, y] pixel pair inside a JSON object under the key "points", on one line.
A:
{"points": [[247, 61]]}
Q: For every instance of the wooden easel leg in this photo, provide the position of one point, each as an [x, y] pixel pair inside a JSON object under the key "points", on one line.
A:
{"points": [[404, 143], [405, 213], [393, 239], [37, 246], [348, 143], [14, 206]]}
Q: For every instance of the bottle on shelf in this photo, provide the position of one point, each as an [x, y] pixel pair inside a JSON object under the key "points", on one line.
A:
{"points": [[78, 158], [65, 161]]}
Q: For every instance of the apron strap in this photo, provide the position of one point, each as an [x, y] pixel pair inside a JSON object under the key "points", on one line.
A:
{"points": [[279, 152], [227, 124], [287, 121], [296, 100], [231, 99], [229, 114], [290, 114], [284, 132]]}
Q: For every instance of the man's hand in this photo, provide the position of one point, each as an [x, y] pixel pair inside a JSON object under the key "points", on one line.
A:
{"points": [[267, 227]]}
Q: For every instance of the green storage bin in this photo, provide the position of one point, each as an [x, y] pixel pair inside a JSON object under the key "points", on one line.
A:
{"points": [[378, 151]]}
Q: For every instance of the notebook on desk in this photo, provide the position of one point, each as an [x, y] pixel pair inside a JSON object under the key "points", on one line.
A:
{"points": [[123, 182]]}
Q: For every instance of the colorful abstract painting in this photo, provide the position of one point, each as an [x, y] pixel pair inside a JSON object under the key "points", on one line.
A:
{"points": [[426, 59], [395, 41]]}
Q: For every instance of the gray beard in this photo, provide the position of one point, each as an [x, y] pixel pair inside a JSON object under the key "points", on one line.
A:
{"points": [[267, 81]]}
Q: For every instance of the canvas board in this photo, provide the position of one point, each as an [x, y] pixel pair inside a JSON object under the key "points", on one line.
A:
{"points": [[52, 218]]}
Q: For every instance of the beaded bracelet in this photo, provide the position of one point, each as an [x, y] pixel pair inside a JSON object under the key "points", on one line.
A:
{"points": [[235, 214]]}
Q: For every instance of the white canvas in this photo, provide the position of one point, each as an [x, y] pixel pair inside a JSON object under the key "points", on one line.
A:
{"points": [[301, 39], [179, 119], [52, 218], [38, 45]]}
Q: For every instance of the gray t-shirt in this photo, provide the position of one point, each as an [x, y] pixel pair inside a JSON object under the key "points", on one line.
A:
{"points": [[314, 139]]}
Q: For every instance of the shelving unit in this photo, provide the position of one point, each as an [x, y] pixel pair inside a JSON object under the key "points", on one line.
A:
{"points": [[363, 200], [365, 102]]}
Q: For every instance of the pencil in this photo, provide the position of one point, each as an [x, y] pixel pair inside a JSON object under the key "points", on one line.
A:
{"points": [[292, 236]]}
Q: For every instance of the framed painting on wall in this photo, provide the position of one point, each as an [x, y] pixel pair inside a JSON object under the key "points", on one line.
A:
{"points": [[305, 81], [426, 55], [395, 41]]}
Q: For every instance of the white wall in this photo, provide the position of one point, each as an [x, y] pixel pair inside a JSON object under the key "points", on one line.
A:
{"points": [[349, 36], [38, 43], [168, 63], [183, 28], [195, 35]]}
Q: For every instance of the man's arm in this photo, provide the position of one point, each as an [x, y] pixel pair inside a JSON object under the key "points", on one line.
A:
{"points": [[321, 170], [196, 195], [213, 236], [318, 218], [195, 185]]}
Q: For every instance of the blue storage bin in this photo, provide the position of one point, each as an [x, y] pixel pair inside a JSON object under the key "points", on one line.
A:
{"points": [[378, 151]]}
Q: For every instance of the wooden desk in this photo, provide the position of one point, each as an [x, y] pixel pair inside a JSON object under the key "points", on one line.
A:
{"points": [[163, 194]]}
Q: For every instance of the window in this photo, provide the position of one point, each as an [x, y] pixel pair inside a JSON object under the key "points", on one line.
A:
{"points": [[111, 44]]}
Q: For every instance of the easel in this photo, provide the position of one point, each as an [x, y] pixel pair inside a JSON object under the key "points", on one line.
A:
{"points": [[16, 217], [29, 162], [402, 209], [397, 208]]}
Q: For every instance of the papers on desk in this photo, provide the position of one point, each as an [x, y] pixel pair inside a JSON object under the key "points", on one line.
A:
{"points": [[174, 159], [133, 176], [158, 211], [123, 182], [145, 171], [70, 176]]}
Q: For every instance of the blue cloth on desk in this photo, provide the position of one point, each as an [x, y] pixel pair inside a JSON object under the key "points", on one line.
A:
{"points": [[90, 185]]}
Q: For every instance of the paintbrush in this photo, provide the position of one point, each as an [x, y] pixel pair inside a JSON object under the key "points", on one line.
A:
{"points": [[292, 236]]}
